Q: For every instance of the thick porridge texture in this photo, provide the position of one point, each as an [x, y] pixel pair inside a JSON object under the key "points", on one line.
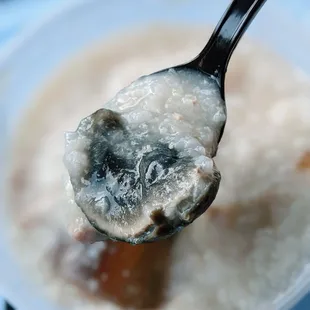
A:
{"points": [[242, 253], [141, 169]]}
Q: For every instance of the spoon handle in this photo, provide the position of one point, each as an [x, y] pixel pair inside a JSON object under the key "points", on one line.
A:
{"points": [[215, 56]]}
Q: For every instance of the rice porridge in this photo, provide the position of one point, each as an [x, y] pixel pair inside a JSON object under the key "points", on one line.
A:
{"points": [[248, 247], [141, 168]]}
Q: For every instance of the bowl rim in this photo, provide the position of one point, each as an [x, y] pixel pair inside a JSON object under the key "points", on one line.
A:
{"points": [[30, 30]]}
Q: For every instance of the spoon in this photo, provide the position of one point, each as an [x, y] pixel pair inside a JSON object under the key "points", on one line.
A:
{"points": [[142, 168], [214, 58]]}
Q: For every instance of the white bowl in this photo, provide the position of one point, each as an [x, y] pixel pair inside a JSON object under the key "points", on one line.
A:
{"points": [[25, 66]]}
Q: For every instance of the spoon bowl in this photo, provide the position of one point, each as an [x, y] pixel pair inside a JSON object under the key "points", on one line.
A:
{"points": [[142, 168]]}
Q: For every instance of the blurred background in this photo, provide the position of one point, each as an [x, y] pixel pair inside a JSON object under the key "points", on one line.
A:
{"points": [[18, 15]]}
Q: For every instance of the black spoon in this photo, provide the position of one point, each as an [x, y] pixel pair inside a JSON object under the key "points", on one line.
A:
{"points": [[214, 58], [103, 157]]}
